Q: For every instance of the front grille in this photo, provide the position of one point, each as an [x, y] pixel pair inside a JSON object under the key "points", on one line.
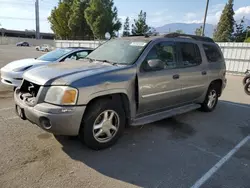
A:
{"points": [[29, 87]]}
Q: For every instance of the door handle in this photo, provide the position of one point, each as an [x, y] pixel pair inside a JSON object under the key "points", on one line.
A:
{"points": [[176, 76], [204, 72]]}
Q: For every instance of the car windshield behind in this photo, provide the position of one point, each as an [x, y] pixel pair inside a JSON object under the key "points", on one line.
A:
{"points": [[54, 55], [120, 51]]}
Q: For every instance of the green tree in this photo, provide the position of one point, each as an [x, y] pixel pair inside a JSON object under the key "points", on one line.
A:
{"points": [[247, 40], [101, 16], [77, 22], [140, 26], [198, 31], [126, 28], [59, 20], [180, 31], [225, 28], [240, 33]]}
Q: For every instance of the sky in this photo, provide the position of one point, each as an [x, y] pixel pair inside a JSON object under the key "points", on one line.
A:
{"points": [[20, 15]]}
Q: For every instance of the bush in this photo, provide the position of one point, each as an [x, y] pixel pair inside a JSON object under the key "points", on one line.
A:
{"points": [[247, 40]]}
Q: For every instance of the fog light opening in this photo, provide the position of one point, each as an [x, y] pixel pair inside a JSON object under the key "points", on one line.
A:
{"points": [[45, 123]]}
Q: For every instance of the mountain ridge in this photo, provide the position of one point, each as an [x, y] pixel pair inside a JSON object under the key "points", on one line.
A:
{"points": [[189, 28]]}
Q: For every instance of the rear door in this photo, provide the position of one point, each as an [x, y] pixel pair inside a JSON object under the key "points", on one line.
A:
{"points": [[159, 89], [193, 72]]}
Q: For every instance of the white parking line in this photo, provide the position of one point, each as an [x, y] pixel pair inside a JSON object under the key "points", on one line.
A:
{"points": [[10, 118], [218, 165], [4, 109], [234, 104]]}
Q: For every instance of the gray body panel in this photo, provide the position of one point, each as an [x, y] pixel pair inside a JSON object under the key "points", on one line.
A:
{"points": [[148, 93]]}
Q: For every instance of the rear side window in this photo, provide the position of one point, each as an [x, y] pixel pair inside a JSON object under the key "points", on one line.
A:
{"points": [[212, 52], [190, 54]]}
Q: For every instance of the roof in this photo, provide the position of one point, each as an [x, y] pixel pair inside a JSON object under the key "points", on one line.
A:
{"points": [[170, 35], [80, 48]]}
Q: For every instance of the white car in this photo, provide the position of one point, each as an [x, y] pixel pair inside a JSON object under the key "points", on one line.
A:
{"points": [[44, 48], [12, 73]]}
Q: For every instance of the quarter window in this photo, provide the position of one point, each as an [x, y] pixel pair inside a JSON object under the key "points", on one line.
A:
{"points": [[190, 54], [164, 52], [212, 53]]}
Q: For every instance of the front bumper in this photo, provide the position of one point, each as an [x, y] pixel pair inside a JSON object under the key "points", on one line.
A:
{"points": [[11, 78], [64, 120]]}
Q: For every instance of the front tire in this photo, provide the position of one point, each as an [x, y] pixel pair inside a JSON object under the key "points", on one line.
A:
{"points": [[247, 88], [211, 99], [102, 124]]}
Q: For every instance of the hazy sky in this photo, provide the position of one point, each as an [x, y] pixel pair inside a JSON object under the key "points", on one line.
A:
{"points": [[20, 15]]}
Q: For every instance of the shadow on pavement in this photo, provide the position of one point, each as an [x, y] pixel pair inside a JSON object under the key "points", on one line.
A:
{"points": [[146, 155], [138, 156]]}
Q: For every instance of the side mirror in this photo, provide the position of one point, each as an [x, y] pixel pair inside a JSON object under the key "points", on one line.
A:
{"points": [[155, 64]]}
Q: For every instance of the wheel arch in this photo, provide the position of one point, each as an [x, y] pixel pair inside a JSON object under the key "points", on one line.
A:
{"points": [[116, 96], [218, 83]]}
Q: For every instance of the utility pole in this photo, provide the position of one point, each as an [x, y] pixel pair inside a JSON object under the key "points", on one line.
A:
{"points": [[205, 18], [37, 20]]}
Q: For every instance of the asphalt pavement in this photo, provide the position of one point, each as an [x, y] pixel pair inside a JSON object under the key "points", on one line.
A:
{"points": [[195, 149]]}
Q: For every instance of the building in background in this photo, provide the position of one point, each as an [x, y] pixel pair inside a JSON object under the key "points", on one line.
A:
{"points": [[25, 34]]}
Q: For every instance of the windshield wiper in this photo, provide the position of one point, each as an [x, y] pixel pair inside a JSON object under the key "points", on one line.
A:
{"points": [[91, 60], [106, 61]]}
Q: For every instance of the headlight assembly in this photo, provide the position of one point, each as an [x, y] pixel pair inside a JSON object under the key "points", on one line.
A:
{"points": [[61, 95]]}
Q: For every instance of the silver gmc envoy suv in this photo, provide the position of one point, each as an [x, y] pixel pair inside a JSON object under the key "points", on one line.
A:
{"points": [[126, 81]]}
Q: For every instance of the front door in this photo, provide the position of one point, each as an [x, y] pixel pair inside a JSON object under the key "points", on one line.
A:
{"points": [[159, 88]]}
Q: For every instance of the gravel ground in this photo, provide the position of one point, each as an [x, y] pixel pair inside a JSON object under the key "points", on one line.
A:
{"points": [[174, 152]]}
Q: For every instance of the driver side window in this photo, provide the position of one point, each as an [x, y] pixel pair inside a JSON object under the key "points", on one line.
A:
{"points": [[164, 54]]}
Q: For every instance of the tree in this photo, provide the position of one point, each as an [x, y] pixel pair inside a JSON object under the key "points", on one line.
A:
{"points": [[240, 34], [225, 28], [247, 40], [59, 20], [77, 22], [101, 16], [126, 28], [140, 26], [180, 31], [198, 31]]}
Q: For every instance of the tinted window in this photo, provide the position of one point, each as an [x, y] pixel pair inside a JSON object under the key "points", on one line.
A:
{"points": [[164, 52], [212, 53], [190, 54]]}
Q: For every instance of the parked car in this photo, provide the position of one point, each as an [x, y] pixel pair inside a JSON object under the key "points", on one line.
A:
{"points": [[44, 48], [127, 81], [22, 44], [12, 73]]}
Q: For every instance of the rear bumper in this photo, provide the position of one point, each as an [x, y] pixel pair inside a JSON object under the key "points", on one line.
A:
{"points": [[11, 78], [62, 120]]}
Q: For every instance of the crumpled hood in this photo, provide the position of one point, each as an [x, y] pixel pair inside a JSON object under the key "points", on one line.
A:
{"points": [[67, 72], [23, 63]]}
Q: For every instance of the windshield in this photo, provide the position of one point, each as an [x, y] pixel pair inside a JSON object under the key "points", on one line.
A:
{"points": [[54, 55], [119, 51]]}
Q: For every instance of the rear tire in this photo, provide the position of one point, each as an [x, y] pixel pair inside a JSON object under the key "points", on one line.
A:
{"points": [[99, 128], [211, 99], [247, 88], [246, 79]]}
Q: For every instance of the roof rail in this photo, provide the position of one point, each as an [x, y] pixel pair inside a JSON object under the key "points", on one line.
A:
{"points": [[195, 37], [139, 35]]}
